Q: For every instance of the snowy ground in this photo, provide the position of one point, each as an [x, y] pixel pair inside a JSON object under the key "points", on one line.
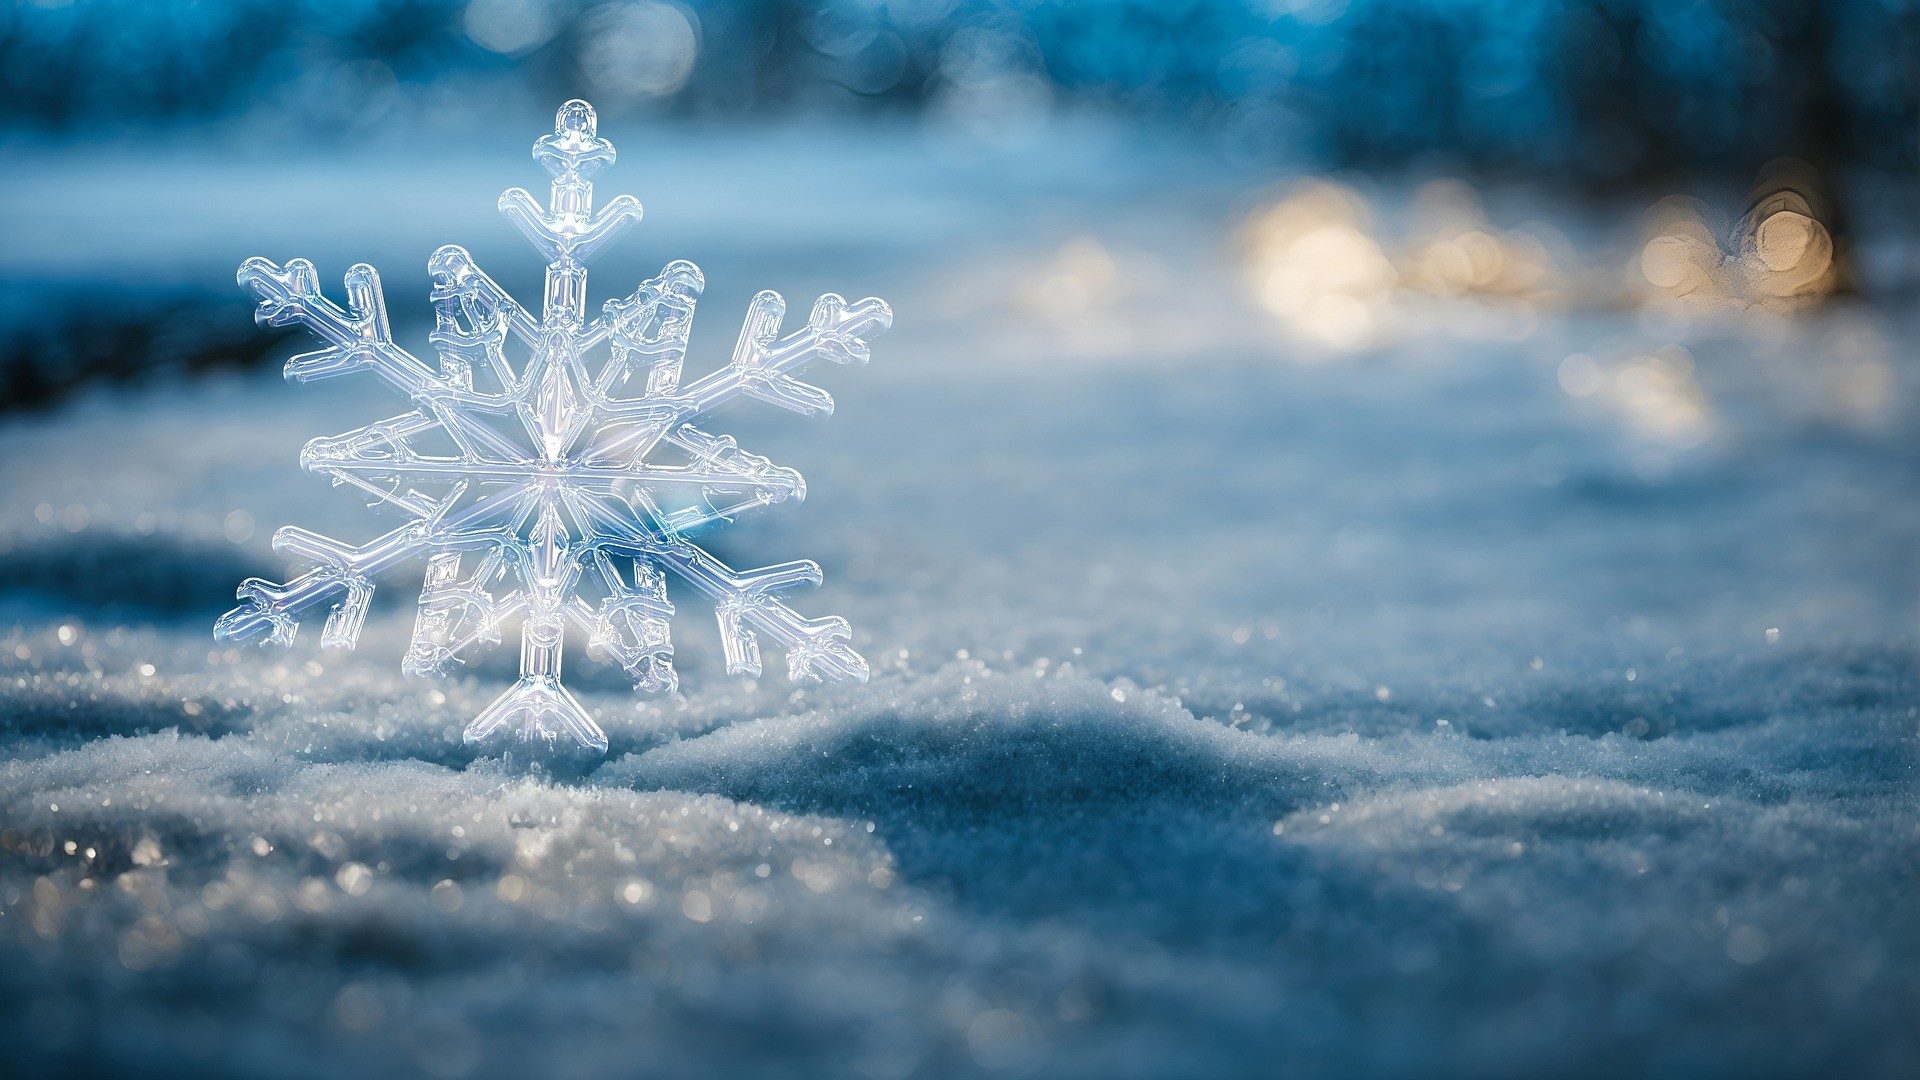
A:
{"points": [[1236, 709]]}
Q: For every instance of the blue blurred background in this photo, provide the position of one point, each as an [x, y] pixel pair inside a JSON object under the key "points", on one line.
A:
{"points": [[1560, 89], [1613, 103]]}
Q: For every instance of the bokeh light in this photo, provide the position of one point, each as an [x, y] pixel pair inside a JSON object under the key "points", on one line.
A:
{"points": [[1313, 264], [1780, 253]]}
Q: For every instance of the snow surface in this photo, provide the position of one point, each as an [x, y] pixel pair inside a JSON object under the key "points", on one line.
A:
{"points": [[1232, 714]]}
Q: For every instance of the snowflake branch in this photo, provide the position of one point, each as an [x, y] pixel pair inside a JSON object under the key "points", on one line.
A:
{"points": [[464, 294], [370, 442], [762, 366], [563, 237], [455, 408], [744, 601], [631, 625], [379, 449], [455, 614], [344, 579], [649, 329], [358, 337], [588, 477], [361, 337], [817, 649]]}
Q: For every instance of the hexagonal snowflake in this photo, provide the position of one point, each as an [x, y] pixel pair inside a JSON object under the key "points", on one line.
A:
{"points": [[560, 494]]}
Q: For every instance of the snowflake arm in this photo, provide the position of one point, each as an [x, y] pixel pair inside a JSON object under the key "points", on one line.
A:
{"points": [[631, 625], [559, 495], [743, 601], [343, 578], [357, 337], [763, 363]]}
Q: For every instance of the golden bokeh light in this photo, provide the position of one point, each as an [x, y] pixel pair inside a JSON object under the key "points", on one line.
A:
{"points": [[1455, 251], [1316, 261], [1654, 395], [1313, 264], [1779, 255]]}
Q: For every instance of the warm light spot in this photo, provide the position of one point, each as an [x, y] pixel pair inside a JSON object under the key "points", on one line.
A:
{"points": [[1778, 254], [1655, 395], [1784, 239], [1080, 279], [1668, 261], [1313, 264]]}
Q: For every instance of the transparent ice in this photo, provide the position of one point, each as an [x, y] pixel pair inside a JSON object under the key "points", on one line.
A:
{"points": [[563, 494]]}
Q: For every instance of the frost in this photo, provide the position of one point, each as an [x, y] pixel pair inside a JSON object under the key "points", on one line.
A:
{"points": [[560, 494]]}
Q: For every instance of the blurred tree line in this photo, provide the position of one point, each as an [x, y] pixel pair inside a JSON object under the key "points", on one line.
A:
{"points": [[1626, 97], [1577, 90]]}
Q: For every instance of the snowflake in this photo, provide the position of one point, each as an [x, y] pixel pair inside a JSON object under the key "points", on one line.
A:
{"points": [[559, 495]]}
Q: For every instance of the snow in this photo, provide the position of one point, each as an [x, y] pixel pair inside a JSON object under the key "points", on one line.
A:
{"points": [[1235, 709]]}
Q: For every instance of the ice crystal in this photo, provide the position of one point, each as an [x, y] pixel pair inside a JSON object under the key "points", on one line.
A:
{"points": [[561, 494]]}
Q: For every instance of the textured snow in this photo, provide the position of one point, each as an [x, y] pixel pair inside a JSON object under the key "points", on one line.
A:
{"points": [[1396, 715]]}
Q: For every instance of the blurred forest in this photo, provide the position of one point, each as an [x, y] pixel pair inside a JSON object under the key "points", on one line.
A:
{"points": [[1609, 101], [1583, 90]]}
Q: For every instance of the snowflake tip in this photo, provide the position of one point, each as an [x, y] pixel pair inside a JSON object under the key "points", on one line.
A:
{"points": [[537, 714], [576, 117]]}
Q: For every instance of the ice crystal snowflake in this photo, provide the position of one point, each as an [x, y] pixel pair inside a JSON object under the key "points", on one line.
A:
{"points": [[562, 494]]}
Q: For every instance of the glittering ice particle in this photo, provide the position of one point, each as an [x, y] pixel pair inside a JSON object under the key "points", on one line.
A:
{"points": [[562, 493]]}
